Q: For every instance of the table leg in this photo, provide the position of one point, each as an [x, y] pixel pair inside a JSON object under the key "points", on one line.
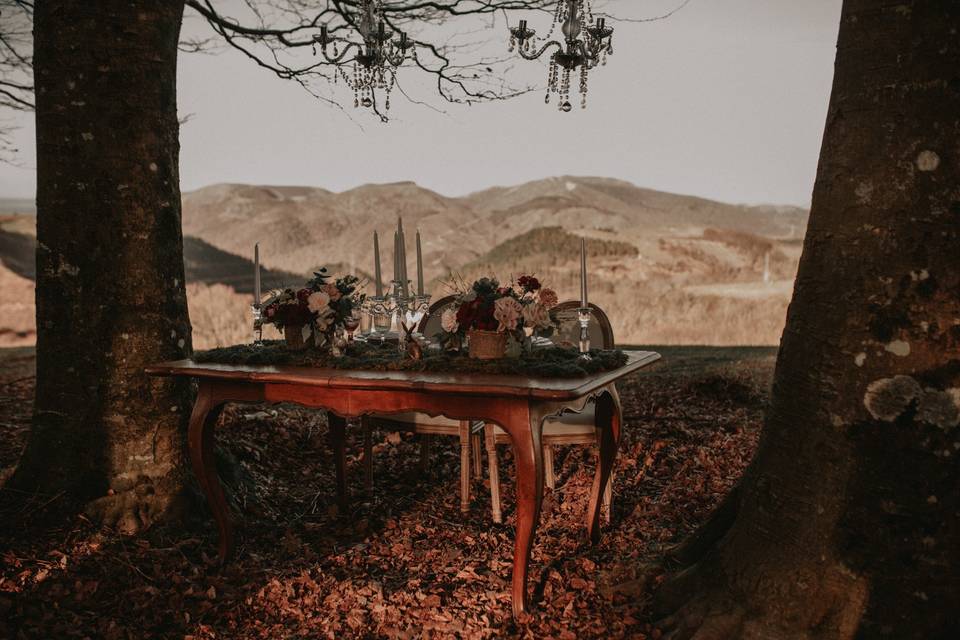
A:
{"points": [[200, 442], [528, 455], [338, 442], [608, 418]]}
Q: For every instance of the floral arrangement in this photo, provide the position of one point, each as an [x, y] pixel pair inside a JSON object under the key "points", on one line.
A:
{"points": [[520, 309], [318, 309]]}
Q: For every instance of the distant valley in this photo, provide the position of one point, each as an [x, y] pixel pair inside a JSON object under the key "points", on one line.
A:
{"points": [[669, 269]]}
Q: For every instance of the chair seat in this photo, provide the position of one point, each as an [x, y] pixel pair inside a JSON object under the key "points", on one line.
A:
{"points": [[421, 422], [570, 427]]}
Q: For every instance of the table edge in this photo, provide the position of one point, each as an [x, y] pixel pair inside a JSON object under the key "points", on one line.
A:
{"points": [[341, 379]]}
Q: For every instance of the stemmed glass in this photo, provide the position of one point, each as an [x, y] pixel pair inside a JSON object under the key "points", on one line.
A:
{"points": [[351, 322]]}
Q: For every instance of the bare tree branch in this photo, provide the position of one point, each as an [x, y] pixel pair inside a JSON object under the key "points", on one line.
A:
{"points": [[279, 36], [16, 66]]}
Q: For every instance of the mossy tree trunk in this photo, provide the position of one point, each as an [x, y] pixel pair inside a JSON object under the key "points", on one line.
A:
{"points": [[110, 282], [847, 524]]}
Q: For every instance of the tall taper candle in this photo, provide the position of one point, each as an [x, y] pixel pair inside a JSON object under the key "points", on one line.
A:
{"points": [[256, 275], [404, 279], [419, 266], [396, 257], [378, 278], [583, 273]]}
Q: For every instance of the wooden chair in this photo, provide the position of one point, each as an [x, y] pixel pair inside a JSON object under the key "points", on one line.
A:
{"points": [[426, 427], [568, 429]]}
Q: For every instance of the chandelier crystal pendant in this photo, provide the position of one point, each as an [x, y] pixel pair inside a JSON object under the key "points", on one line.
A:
{"points": [[586, 43], [376, 59]]}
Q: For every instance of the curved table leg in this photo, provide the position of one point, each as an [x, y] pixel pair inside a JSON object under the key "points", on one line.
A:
{"points": [[608, 418], [200, 442], [525, 432]]}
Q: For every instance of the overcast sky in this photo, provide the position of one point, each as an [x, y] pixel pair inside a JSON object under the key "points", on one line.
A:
{"points": [[726, 99]]}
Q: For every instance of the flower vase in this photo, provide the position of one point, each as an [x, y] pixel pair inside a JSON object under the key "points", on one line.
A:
{"points": [[487, 345], [293, 335]]}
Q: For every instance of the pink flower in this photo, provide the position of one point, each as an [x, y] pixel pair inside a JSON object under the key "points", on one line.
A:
{"points": [[548, 298], [448, 321], [331, 290], [536, 316], [318, 301], [507, 312]]}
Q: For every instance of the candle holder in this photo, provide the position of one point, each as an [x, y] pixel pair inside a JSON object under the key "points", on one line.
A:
{"points": [[419, 307], [390, 312], [257, 324], [583, 316], [377, 307]]}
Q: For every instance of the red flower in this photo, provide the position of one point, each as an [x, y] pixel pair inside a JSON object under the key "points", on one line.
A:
{"points": [[528, 283], [302, 295], [467, 313]]}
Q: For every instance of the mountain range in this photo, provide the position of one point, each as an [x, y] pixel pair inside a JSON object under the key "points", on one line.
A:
{"points": [[666, 267]]}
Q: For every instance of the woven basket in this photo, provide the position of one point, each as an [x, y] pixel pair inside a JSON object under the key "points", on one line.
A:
{"points": [[487, 345]]}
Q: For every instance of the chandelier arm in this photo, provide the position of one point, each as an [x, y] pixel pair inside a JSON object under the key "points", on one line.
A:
{"points": [[339, 58], [592, 55], [537, 54], [396, 60]]}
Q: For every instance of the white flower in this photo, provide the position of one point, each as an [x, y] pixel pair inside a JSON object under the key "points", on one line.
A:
{"points": [[536, 316], [325, 319], [507, 312], [318, 301], [448, 321]]}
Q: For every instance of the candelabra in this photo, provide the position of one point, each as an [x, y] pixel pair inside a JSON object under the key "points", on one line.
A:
{"points": [[377, 56], [388, 312], [575, 18]]}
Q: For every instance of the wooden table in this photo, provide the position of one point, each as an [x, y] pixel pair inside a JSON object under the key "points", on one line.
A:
{"points": [[518, 404]]}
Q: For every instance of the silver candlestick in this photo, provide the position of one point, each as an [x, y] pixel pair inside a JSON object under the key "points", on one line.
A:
{"points": [[257, 324], [583, 316]]}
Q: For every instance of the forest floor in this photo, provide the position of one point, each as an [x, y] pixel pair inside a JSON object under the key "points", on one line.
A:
{"points": [[404, 562]]}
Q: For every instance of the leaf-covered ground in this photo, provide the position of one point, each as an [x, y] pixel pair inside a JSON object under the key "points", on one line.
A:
{"points": [[404, 562]]}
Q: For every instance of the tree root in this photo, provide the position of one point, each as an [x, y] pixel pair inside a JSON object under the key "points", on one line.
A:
{"points": [[137, 508], [702, 603], [701, 541]]}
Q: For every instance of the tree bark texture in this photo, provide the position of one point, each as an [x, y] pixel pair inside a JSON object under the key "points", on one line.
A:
{"points": [[110, 279], [847, 524]]}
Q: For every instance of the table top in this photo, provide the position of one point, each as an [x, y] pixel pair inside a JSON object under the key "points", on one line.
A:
{"points": [[449, 383]]}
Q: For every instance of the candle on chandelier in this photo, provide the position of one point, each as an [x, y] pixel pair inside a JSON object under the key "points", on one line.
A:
{"points": [[256, 275], [378, 279], [419, 266], [583, 273]]}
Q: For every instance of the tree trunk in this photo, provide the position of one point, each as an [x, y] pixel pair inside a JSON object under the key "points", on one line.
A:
{"points": [[110, 283], [847, 524]]}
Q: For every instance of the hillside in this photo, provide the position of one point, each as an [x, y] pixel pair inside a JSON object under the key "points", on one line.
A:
{"points": [[668, 268]]}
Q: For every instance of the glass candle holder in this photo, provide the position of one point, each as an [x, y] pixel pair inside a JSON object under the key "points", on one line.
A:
{"points": [[257, 312], [583, 317], [380, 316]]}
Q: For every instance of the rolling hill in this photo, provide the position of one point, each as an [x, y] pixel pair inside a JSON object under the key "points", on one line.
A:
{"points": [[668, 268]]}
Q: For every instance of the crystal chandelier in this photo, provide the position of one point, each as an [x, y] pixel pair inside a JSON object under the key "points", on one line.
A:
{"points": [[376, 59], [575, 19]]}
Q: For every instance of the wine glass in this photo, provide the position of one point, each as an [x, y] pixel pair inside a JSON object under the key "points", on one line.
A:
{"points": [[351, 322]]}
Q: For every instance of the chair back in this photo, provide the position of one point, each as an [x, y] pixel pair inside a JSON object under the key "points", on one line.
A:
{"points": [[568, 333], [430, 324]]}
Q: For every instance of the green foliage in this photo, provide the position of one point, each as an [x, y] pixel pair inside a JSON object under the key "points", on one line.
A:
{"points": [[550, 362]]}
